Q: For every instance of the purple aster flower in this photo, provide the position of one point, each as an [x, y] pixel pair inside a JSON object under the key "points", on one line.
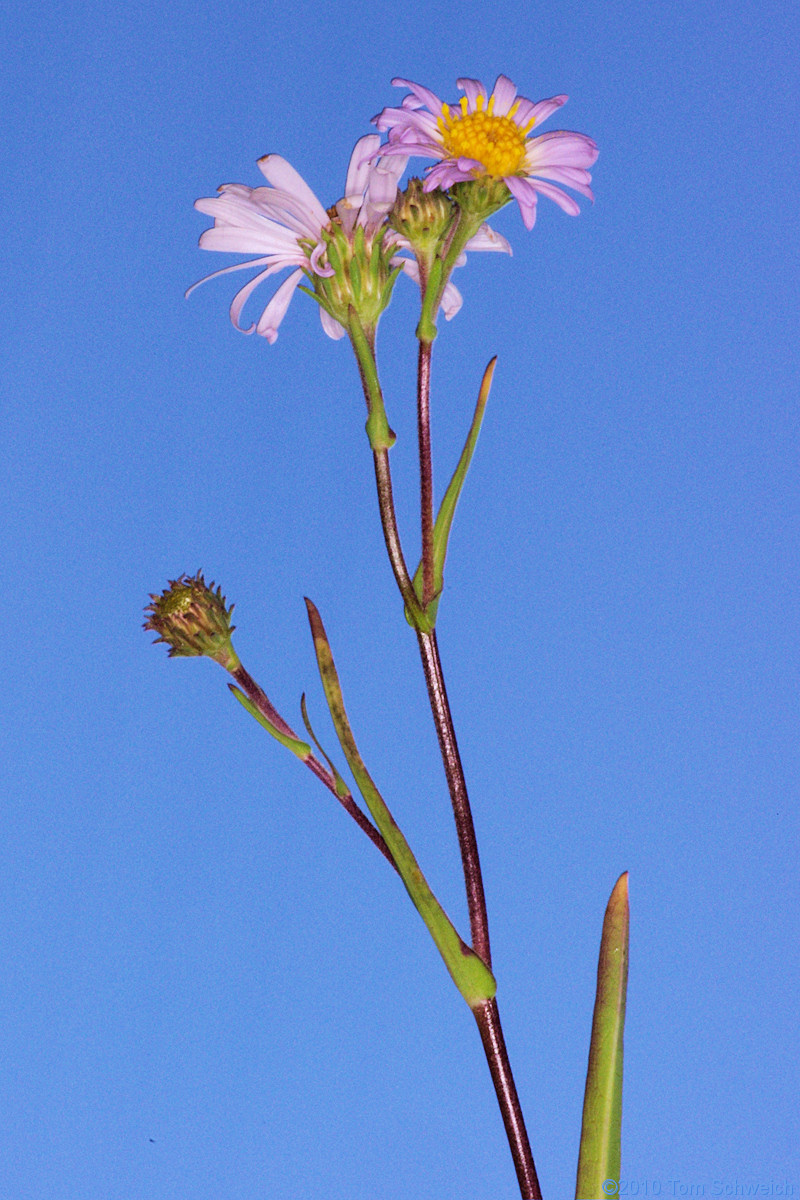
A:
{"points": [[490, 136], [284, 226]]}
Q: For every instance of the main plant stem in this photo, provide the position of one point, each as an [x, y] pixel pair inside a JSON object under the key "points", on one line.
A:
{"points": [[434, 677], [486, 1014], [490, 1029], [454, 771]]}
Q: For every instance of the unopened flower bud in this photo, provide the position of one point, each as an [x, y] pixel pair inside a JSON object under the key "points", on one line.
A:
{"points": [[192, 619], [423, 218]]}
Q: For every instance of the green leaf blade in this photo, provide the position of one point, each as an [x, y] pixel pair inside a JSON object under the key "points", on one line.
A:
{"points": [[599, 1158], [447, 509], [470, 974], [301, 749]]}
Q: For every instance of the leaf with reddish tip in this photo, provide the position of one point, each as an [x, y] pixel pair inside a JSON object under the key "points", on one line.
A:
{"points": [[600, 1151]]}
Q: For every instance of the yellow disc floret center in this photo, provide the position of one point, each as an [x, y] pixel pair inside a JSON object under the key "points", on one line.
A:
{"points": [[498, 143]]}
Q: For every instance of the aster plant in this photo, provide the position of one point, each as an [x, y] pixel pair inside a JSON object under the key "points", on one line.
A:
{"points": [[487, 152]]}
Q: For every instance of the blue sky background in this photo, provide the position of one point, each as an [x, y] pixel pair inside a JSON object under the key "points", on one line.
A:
{"points": [[211, 986]]}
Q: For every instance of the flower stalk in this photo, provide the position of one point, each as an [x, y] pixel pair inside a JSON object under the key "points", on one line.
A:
{"points": [[194, 621], [425, 470], [486, 1013]]}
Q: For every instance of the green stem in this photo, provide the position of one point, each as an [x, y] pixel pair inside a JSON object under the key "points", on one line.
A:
{"points": [[425, 470], [377, 424], [464, 227]]}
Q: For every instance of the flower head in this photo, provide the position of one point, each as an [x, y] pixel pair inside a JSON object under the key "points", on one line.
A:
{"points": [[285, 225], [488, 138], [193, 620]]}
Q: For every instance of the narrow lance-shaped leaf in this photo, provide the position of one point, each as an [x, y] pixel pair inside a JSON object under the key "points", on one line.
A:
{"points": [[600, 1151], [469, 972], [447, 509], [341, 787], [298, 747]]}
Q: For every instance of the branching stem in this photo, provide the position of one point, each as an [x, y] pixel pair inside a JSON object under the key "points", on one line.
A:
{"points": [[265, 706], [486, 1014]]}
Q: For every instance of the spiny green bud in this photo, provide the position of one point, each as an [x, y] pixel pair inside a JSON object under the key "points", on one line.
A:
{"points": [[192, 619], [424, 218]]}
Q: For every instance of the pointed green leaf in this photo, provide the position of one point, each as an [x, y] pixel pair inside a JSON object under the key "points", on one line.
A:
{"points": [[301, 749], [342, 789], [469, 972], [600, 1151], [444, 518]]}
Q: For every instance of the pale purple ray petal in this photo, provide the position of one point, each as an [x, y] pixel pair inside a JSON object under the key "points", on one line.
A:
{"points": [[420, 93], [409, 146], [275, 311], [251, 220], [444, 174], [504, 95], [385, 177], [242, 296], [316, 265], [288, 210], [331, 325], [409, 265], [573, 176], [358, 171], [539, 111], [561, 198], [210, 206], [566, 175], [488, 239], [408, 125], [381, 189], [451, 301], [525, 195], [254, 262], [561, 148], [281, 174], [237, 240], [473, 88], [420, 126]]}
